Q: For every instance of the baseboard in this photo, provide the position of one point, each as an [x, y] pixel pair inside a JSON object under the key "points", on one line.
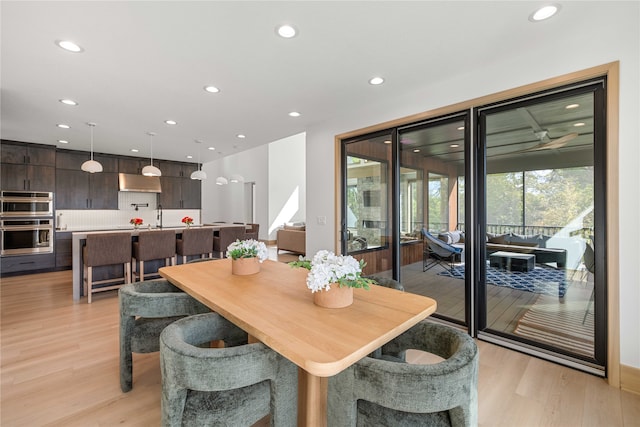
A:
{"points": [[630, 379]]}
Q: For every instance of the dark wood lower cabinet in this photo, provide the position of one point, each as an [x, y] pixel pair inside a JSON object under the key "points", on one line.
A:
{"points": [[63, 242], [27, 263]]}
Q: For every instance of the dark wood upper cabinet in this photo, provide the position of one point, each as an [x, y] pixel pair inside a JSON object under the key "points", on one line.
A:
{"points": [[131, 165], [29, 154], [75, 159], [28, 167]]}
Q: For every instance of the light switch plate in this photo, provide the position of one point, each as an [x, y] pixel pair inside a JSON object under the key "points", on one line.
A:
{"points": [[322, 220]]}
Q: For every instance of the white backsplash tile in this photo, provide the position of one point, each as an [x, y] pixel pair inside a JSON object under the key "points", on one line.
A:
{"points": [[106, 219]]}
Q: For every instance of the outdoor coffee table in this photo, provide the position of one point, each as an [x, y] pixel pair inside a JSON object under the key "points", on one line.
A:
{"points": [[512, 261]]}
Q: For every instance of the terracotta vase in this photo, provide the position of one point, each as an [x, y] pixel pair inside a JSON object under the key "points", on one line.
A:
{"points": [[337, 297], [245, 266]]}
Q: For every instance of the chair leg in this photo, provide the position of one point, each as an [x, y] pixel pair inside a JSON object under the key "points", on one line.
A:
{"points": [[586, 312], [89, 284], [141, 270], [127, 272]]}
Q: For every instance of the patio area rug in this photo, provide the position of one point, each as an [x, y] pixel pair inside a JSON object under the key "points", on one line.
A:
{"points": [[558, 325], [540, 280]]}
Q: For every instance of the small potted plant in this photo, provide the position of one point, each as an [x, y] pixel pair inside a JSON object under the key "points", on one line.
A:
{"points": [[246, 256], [332, 278], [187, 220], [137, 222]]}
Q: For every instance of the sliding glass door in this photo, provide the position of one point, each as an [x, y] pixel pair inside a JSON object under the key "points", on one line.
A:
{"points": [[432, 163], [502, 221], [366, 222], [543, 219]]}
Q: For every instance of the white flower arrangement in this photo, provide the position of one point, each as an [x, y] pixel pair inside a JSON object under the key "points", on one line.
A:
{"points": [[327, 268], [247, 249]]}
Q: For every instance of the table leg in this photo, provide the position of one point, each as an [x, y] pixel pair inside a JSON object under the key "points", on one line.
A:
{"points": [[312, 400]]}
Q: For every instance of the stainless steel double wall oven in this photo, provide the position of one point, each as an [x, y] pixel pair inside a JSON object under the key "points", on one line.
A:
{"points": [[26, 222]]}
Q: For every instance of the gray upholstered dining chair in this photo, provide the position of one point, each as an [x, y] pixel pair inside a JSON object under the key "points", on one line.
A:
{"points": [[234, 386], [389, 392], [146, 308]]}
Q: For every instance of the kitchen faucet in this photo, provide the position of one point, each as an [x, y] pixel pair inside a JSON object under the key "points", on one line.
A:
{"points": [[159, 216]]}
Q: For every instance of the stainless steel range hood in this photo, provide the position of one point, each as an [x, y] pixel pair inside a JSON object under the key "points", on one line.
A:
{"points": [[139, 183]]}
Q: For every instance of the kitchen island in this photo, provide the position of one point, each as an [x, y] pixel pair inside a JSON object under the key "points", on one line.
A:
{"points": [[79, 239]]}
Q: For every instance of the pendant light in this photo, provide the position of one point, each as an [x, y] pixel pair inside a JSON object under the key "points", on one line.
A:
{"points": [[199, 174], [151, 170], [91, 166], [236, 178], [221, 180]]}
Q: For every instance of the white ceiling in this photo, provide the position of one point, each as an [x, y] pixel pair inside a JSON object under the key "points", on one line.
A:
{"points": [[148, 61]]}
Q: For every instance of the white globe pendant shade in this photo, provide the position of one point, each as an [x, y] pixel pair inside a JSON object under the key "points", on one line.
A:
{"points": [[199, 175], [151, 170], [236, 178], [91, 166], [221, 180]]}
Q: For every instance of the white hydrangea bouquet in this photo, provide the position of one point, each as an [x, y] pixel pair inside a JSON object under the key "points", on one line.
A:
{"points": [[247, 249], [327, 268]]}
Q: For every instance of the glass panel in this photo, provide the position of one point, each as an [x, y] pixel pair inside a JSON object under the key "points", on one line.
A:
{"points": [[432, 161], [367, 226], [540, 222], [438, 202]]}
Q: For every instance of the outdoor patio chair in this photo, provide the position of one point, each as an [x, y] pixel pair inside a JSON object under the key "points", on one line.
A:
{"points": [[437, 252]]}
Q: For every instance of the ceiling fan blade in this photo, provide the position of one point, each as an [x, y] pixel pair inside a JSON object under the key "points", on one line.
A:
{"points": [[556, 143], [531, 120]]}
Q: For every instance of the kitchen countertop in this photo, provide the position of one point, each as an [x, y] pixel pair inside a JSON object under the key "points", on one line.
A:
{"points": [[120, 228]]}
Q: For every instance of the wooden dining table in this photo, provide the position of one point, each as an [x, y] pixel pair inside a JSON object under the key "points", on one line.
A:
{"points": [[275, 307]]}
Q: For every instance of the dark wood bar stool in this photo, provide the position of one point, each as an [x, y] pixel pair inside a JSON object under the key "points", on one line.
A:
{"points": [[153, 245], [252, 231], [195, 241], [225, 236], [106, 249]]}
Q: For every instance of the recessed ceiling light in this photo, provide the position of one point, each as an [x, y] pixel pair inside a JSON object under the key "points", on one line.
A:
{"points": [[544, 12], [572, 106], [454, 145], [68, 101], [286, 31], [134, 150], [460, 127], [241, 136], [211, 89], [578, 124], [63, 141], [416, 150], [69, 46], [211, 148], [294, 114], [376, 81], [63, 126], [188, 156], [171, 122]]}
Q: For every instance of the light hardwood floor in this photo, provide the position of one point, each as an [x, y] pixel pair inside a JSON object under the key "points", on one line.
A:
{"points": [[60, 368]]}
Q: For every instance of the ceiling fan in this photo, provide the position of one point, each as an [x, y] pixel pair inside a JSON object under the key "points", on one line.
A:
{"points": [[546, 143]]}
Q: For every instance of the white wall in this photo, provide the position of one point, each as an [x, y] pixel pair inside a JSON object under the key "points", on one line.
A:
{"points": [[617, 38], [278, 170], [287, 183], [226, 202]]}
